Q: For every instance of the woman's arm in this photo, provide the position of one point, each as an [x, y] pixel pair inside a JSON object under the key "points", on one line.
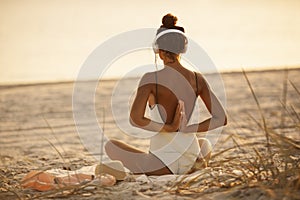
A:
{"points": [[137, 111], [218, 115]]}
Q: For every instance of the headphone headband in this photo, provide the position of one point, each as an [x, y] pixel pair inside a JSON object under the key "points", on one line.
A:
{"points": [[155, 45], [168, 31]]}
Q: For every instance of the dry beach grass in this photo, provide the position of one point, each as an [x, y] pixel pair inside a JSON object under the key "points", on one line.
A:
{"points": [[257, 155]]}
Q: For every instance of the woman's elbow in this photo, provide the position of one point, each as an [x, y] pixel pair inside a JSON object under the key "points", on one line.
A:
{"points": [[132, 122], [221, 120], [136, 122], [225, 120]]}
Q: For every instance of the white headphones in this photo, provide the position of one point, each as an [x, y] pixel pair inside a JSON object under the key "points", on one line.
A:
{"points": [[155, 45]]}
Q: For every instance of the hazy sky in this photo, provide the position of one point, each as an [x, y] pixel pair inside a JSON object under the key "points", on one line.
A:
{"points": [[43, 40]]}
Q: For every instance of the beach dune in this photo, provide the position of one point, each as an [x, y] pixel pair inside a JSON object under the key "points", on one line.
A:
{"points": [[28, 111]]}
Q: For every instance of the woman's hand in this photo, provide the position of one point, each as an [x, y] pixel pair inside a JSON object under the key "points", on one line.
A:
{"points": [[179, 120], [183, 121]]}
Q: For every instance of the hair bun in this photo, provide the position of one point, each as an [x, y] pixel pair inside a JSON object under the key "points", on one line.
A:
{"points": [[169, 21]]}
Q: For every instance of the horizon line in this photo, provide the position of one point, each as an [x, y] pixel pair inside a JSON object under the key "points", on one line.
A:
{"points": [[6, 85]]}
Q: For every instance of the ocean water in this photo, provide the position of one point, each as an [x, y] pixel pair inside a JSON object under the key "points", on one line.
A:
{"points": [[45, 41]]}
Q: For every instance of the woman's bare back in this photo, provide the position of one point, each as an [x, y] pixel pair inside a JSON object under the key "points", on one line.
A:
{"points": [[170, 87]]}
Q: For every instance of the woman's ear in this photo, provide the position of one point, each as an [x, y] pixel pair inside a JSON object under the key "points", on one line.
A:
{"points": [[161, 54]]}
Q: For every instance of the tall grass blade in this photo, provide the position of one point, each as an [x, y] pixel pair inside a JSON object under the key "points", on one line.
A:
{"points": [[53, 134], [102, 135], [294, 86], [284, 95], [259, 108]]}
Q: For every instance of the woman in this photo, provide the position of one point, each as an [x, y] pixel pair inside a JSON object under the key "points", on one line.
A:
{"points": [[171, 94]]}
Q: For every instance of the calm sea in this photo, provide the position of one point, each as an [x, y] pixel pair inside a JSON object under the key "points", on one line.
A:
{"points": [[50, 40]]}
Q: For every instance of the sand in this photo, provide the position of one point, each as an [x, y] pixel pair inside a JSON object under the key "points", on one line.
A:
{"points": [[25, 136]]}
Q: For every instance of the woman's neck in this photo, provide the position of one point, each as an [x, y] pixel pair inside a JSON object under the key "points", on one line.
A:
{"points": [[174, 64]]}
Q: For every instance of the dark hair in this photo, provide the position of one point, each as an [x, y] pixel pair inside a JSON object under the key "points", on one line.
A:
{"points": [[171, 43], [169, 21]]}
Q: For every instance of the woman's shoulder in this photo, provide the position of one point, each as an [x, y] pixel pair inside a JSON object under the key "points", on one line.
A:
{"points": [[148, 78], [199, 75], [201, 82]]}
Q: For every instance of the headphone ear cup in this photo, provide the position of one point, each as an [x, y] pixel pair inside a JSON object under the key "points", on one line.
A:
{"points": [[155, 47], [185, 46]]}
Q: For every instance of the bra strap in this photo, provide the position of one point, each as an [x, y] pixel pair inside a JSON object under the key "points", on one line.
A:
{"points": [[196, 78], [156, 88]]}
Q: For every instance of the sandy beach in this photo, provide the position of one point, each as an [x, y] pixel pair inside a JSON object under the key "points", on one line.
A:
{"points": [[25, 137]]}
